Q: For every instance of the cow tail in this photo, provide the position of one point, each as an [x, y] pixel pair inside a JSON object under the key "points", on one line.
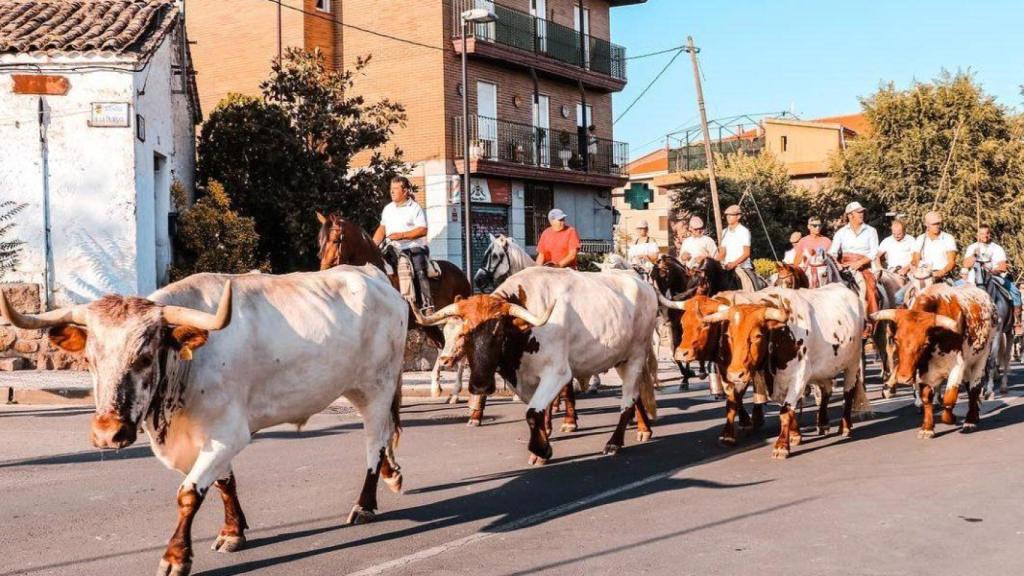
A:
{"points": [[396, 416], [648, 381]]}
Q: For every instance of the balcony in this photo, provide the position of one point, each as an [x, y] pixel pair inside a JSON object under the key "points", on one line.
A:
{"points": [[530, 42], [503, 148]]}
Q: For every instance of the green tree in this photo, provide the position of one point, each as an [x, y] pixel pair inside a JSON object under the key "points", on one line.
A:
{"points": [[10, 248], [943, 144], [211, 236], [748, 179], [289, 154]]}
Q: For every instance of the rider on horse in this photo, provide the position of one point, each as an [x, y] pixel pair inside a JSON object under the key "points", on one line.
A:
{"points": [[858, 244], [898, 250], [934, 250], [558, 245], [790, 256], [734, 251], [404, 223], [696, 247], [993, 258], [644, 251], [811, 250]]}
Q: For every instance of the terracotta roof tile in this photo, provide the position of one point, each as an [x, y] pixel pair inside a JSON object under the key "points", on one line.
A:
{"points": [[84, 26]]}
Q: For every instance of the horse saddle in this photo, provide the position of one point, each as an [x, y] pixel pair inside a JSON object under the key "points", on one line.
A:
{"points": [[433, 269]]}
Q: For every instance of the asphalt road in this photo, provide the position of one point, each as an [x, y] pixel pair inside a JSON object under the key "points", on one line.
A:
{"points": [[883, 502]]}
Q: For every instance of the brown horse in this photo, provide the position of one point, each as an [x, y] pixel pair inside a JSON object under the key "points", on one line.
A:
{"points": [[791, 276], [344, 242]]}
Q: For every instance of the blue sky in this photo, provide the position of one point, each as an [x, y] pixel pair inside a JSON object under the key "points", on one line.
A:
{"points": [[814, 56]]}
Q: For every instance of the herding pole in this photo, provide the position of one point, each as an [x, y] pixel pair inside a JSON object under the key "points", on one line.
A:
{"points": [[692, 51]]}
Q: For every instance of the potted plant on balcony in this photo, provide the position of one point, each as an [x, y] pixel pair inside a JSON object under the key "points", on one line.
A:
{"points": [[475, 150], [564, 152]]}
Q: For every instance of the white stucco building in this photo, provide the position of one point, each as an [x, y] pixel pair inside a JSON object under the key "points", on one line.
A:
{"points": [[97, 119]]}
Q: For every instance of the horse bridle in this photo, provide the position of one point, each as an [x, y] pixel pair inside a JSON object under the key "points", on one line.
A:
{"points": [[335, 227]]}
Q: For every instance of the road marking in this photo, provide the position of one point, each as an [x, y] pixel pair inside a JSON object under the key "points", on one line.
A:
{"points": [[531, 520]]}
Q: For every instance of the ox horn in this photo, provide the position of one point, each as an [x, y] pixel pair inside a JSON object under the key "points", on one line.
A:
{"points": [[777, 315], [71, 315], [947, 323], [439, 317], [669, 303], [180, 316], [517, 311], [720, 316], [883, 315]]}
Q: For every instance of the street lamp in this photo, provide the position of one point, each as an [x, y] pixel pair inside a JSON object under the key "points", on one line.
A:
{"points": [[474, 16]]}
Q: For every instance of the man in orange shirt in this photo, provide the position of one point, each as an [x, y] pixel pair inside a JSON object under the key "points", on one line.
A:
{"points": [[559, 244]]}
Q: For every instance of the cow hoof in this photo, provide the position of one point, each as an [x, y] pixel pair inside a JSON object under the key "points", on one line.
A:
{"points": [[823, 430], [780, 453], [948, 417], [360, 515], [168, 569], [990, 396], [227, 544], [925, 434], [846, 432], [473, 422], [727, 441], [535, 460], [567, 427], [795, 440], [453, 399], [887, 393], [643, 436], [395, 483], [968, 428], [611, 448]]}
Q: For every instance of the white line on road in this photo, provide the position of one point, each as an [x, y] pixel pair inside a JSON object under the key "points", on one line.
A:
{"points": [[529, 520]]}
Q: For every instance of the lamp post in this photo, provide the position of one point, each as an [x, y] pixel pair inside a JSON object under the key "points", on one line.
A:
{"points": [[474, 16]]}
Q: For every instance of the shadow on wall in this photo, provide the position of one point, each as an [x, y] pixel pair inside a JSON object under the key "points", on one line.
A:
{"points": [[104, 265]]}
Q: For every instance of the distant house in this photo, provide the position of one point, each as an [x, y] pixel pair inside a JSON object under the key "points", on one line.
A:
{"points": [[97, 118], [805, 148]]}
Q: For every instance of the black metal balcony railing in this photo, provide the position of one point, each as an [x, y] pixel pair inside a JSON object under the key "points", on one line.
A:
{"points": [[526, 32], [504, 141], [692, 157]]}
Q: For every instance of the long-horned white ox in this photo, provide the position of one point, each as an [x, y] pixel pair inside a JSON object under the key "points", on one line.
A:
{"points": [[542, 327], [201, 377], [944, 336], [797, 338]]}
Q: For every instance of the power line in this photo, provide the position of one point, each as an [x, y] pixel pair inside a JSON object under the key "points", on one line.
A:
{"points": [[329, 18], [637, 99], [658, 53]]}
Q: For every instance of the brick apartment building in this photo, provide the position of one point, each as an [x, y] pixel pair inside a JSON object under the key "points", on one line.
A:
{"points": [[540, 89]]}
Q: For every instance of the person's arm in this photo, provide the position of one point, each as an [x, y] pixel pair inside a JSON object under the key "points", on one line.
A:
{"points": [[743, 258], [542, 247], [950, 264], [410, 235], [378, 236], [837, 242], [969, 257], [721, 254], [574, 248], [798, 257]]}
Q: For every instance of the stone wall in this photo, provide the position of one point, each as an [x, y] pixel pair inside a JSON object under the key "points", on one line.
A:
{"points": [[30, 349]]}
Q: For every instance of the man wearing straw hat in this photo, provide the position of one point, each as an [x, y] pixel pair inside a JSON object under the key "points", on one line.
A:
{"points": [[857, 242]]}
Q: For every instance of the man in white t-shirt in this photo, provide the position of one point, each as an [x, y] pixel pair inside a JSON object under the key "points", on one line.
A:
{"points": [[696, 247], [857, 242], [790, 256], [897, 250], [992, 257], [404, 223], [734, 252], [934, 250]]}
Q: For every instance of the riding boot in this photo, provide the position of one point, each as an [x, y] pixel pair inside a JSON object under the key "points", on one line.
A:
{"points": [[425, 298]]}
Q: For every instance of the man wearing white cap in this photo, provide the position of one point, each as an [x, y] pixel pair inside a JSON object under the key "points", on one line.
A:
{"points": [[790, 256], [734, 251], [696, 247], [644, 248], [558, 245], [858, 243]]}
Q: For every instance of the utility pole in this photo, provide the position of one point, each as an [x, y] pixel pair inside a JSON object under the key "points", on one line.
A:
{"points": [[692, 51]]}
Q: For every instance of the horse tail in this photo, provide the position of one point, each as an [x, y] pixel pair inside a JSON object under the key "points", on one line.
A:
{"points": [[648, 381]]}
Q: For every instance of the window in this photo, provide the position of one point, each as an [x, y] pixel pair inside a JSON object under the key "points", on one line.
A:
{"points": [[579, 115], [785, 142], [323, 5], [538, 200]]}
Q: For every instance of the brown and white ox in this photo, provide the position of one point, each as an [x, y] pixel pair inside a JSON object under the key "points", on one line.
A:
{"points": [[798, 338], [708, 342], [944, 337], [542, 327], [200, 378]]}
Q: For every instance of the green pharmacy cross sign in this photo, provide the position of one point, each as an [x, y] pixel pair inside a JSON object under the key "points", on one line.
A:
{"points": [[639, 195]]}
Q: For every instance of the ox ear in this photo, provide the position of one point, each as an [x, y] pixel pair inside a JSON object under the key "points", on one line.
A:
{"points": [[68, 337], [321, 218], [185, 339]]}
